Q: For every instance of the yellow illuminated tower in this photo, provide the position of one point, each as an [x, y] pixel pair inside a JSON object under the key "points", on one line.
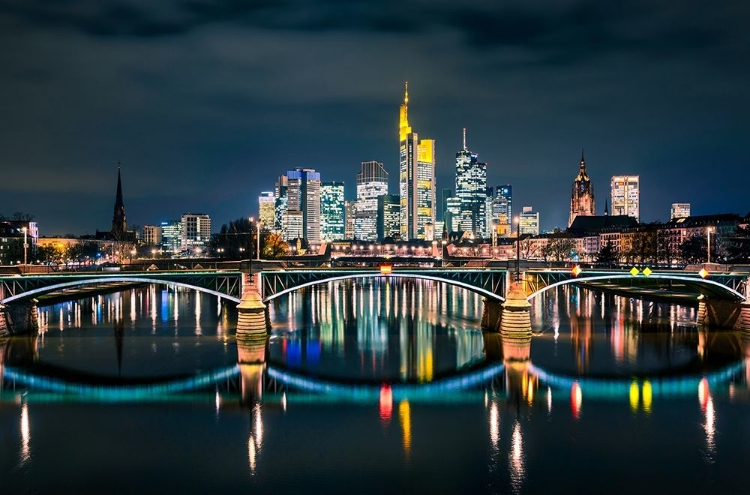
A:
{"points": [[416, 177]]}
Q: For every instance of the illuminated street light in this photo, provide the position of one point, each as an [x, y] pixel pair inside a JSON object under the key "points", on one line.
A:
{"points": [[708, 244], [25, 247]]}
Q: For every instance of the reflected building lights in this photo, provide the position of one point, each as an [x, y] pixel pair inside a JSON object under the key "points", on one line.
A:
{"points": [[576, 398], [404, 416], [516, 459], [25, 453], [549, 400], [494, 423]]}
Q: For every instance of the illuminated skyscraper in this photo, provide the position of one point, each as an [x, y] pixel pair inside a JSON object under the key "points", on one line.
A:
{"points": [[680, 210], [582, 199], [502, 209], [372, 182], [389, 215], [626, 195], [304, 196], [471, 189], [351, 213], [416, 177], [529, 221], [171, 236], [332, 211], [196, 232], [267, 210]]}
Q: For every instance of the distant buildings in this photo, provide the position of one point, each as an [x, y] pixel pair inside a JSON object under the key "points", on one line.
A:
{"points": [[626, 196], [152, 235], [12, 236], [372, 182], [679, 210], [471, 189], [196, 232], [528, 222], [171, 236], [582, 198], [502, 209], [416, 178]]}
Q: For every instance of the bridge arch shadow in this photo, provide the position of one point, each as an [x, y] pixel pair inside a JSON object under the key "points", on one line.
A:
{"points": [[397, 275], [109, 278], [705, 287]]}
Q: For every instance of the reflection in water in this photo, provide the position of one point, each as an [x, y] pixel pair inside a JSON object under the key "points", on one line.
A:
{"points": [[385, 404], [709, 419], [255, 440], [25, 435], [516, 459], [378, 329], [576, 397], [404, 416]]}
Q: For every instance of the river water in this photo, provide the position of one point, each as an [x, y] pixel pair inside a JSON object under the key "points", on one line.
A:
{"points": [[372, 387]]}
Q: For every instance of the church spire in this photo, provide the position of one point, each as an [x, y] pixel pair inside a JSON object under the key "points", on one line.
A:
{"points": [[119, 224], [583, 161]]}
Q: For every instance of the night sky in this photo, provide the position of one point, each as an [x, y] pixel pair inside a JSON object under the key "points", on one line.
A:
{"points": [[206, 102]]}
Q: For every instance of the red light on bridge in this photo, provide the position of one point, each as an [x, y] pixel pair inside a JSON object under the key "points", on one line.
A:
{"points": [[576, 270], [386, 269]]}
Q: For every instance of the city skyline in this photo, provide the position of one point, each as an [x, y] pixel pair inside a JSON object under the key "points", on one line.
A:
{"points": [[196, 103]]}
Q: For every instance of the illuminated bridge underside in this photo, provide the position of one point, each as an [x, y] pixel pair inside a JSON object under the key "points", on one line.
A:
{"points": [[490, 284], [725, 286], [227, 285]]}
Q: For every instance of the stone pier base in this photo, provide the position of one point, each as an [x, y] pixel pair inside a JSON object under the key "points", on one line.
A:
{"points": [[252, 322], [723, 314], [20, 318], [515, 323]]}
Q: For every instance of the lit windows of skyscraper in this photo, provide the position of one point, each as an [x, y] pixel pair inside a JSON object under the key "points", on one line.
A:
{"points": [[196, 232], [502, 209], [416, 178], [453, 214], [389, 215], [267, 210], [471, 189], [332, 211], [680, 210], [626, 195], [171, 236], [152, 235], [372, 182], [529, 221], [281, 203], [304, 196], [351, 213]]}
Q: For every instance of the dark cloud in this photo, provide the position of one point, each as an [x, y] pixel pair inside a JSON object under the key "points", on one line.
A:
{"points": [[205, 102]]}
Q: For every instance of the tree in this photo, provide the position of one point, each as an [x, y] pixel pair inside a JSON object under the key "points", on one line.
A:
{"points": [[693, 250], [607, 255], [274, 246], [560, 248]]}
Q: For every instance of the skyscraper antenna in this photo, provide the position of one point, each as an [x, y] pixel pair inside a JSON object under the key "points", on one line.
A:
{"points": [[464, 138], [406, 92]]}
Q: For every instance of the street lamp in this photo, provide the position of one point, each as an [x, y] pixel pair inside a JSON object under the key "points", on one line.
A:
{"points": [[708, 244], [518, 248], [249, 249], [258, 225], [25, 247]]}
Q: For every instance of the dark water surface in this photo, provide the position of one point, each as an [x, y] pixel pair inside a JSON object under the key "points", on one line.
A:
{"points": [[373, 387]]}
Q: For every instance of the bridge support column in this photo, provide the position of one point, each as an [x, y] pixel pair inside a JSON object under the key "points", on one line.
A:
{"points": [[251, 319], [723, 314], [492, 312], [20, 318], [515, 324]]}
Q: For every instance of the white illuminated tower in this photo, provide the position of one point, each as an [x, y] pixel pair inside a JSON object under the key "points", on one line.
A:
{"points": [[626, 196], [471, 189]]}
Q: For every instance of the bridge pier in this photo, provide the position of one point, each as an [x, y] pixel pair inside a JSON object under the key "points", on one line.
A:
{"points": [[723, 314], [252, 320], [515, 323], [492, 312], [19, 318]]}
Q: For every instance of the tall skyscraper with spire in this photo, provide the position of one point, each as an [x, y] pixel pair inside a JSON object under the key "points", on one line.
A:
{"points": [[416, 177], [119, 225], [471, 189], [582, 198]]}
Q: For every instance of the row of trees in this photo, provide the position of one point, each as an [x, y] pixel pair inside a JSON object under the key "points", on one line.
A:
{"points": [[239, 237]]}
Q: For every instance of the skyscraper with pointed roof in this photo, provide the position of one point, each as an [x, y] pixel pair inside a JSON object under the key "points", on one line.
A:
{"points": [[416, 177], [471, 189], [582, 198]]}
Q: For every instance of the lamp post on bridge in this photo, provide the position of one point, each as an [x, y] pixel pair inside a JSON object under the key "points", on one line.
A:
{"points": [[517, 221], [708, 243], [25, 248]]}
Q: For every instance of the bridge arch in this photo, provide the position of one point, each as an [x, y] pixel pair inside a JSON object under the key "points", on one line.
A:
{"points": [[703, 286], [407, 275], [109, 278]]}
